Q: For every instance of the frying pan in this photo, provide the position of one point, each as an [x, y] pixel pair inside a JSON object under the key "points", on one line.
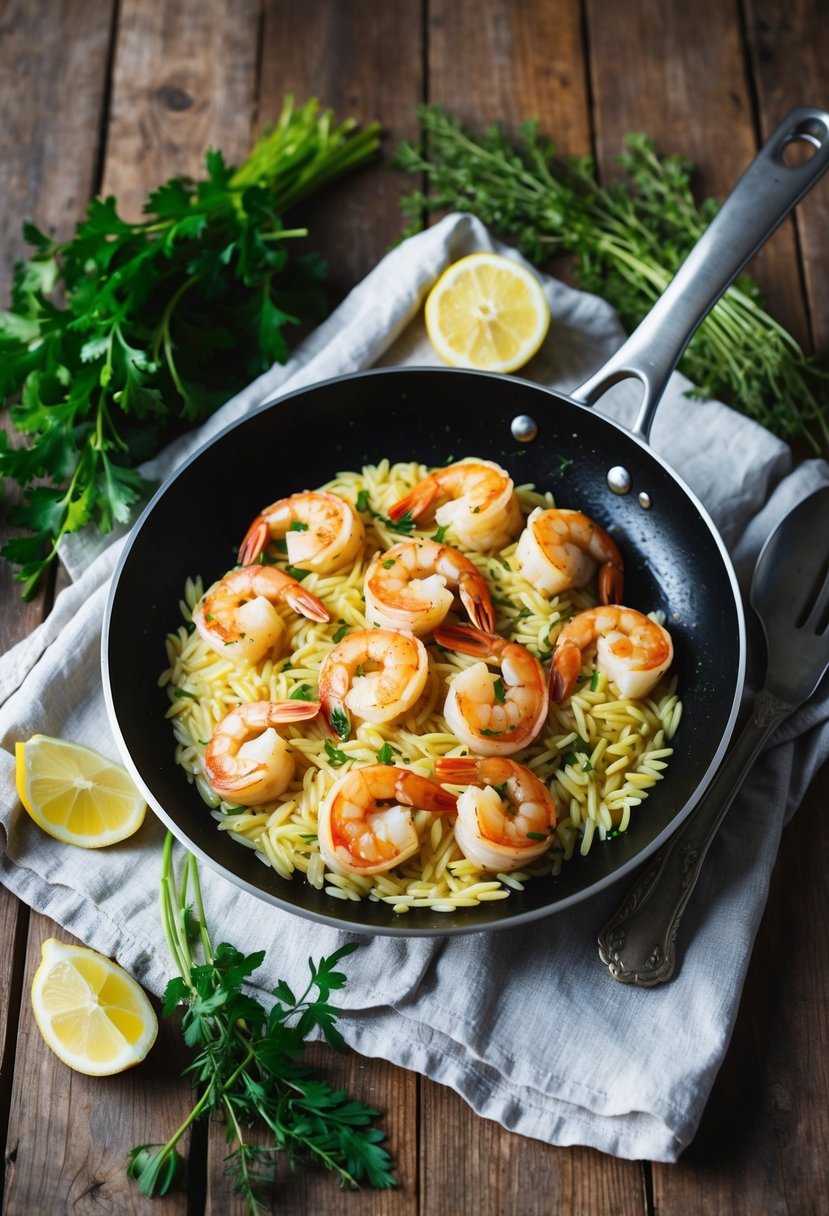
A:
{"points": [[674, 557]]}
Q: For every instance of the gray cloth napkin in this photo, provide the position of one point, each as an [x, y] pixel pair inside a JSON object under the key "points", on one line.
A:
{"points": [[525, 1024]]}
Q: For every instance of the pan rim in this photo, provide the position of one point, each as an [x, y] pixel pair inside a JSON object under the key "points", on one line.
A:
{"points": [[509, 919]]}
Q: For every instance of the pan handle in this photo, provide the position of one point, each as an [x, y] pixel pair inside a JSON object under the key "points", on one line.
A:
{"points": [[759, 202]]}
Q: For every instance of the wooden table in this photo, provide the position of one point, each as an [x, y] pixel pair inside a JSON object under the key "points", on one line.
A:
{"points": [[113, 96]]}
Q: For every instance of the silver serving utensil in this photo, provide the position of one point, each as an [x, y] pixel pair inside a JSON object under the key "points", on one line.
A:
{"points": [[790, 595]]}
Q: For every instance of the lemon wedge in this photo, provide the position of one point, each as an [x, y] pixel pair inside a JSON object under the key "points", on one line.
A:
{"points": [[488, 312], [76, 795], [91, 1012]]}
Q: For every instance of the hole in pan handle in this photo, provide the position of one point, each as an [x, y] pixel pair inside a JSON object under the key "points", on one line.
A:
{"points": [[768, 190]]}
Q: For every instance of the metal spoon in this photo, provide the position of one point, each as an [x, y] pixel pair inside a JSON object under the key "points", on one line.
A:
{"points": [[790, 595]]}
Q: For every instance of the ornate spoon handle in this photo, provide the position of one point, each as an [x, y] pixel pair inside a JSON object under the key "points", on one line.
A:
{"points": [[638, 944]]}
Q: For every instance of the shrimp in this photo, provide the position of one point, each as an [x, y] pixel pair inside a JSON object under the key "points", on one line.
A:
{"points": [[247, 762], [505, 816], [322, 531], [237, 617], [408, 587], [631, 649], [375, 674], [495, 718], [365, 826], [478, 502], [560, 549]]}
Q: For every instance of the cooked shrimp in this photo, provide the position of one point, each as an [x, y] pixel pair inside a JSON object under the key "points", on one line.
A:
{"points": [[322, 531], [477, 501], [505, 817], [494, 717], [631, 649], [410, 587], [560, 549], [374, 674], [365, 824], [237, 617], [247, 762]]}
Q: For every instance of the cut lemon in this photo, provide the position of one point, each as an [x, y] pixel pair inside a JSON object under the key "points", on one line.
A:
{"points": [[76, 795], [90, 1011], [487, 311]]}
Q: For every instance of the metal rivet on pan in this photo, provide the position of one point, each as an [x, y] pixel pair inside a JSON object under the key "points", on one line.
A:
{"points": [[644, 500], [619, 480], [524, 428]]}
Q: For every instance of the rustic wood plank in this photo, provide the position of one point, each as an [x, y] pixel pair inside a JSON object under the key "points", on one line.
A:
{"points": [[70, 1135], [761, 1146], [388, 1089], [464, 1155], [48, 57], [789, 48], [505, 63], [53, 70], [184, 81], [691, 94], [378, 78]]}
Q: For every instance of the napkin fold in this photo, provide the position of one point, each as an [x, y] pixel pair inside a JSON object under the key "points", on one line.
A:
{"points": [[526, 1024]]}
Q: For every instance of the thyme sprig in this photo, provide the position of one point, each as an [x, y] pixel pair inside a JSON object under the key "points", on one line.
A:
{"points": [[629, 239]]}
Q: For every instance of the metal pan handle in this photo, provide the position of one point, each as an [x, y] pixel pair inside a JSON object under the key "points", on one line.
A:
{"points": [[759, 202]]}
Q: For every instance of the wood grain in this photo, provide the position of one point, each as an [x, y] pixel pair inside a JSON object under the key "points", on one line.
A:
{"points": [[379, 78], [53, 72], [184, 81], [789, 49], [678, 72], [69, 1135]]}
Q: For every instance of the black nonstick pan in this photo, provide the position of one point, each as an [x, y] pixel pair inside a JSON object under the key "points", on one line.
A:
{"points": [[674, 558]]}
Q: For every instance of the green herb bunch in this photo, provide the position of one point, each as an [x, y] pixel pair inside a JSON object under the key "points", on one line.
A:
{"points": [[629, 239], [130, 332], [249, 1066]]}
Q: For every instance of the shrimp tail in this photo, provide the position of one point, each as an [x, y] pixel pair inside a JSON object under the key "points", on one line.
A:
{"points": [[414, 790], [456, 770], [479, 607], [284, 712], [304, 602], [468, 640], [418, 500], [254, 541], [564, 670], [611, 583]]}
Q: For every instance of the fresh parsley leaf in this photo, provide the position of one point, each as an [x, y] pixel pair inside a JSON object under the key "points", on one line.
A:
{"points": [[336, 757], [340, 723]]}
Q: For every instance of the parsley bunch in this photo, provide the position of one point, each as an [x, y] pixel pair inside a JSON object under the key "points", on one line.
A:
{"points": [[629, 240], [130, 332], [248, 1062]]}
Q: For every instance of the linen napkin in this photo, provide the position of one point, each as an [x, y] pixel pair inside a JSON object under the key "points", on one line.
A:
{"points": [[526, 1024]]}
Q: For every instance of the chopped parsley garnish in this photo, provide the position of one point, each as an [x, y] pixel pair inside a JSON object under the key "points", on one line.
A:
{"points": [[386, 754], [499, 690], [536, 835], [341, 632], [362, 503], [303, 692], [296, 525], [340, 723], [388, 565], [440, 532], [183, 692], [297, 572], [336, 757]]}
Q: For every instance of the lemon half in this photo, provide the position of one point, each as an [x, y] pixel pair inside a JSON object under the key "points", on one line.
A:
{"points": [[75, 794], [488, 312], [90, 1011]]}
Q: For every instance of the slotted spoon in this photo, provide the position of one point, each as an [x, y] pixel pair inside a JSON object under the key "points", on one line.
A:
{"points": [[790, 595]]}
